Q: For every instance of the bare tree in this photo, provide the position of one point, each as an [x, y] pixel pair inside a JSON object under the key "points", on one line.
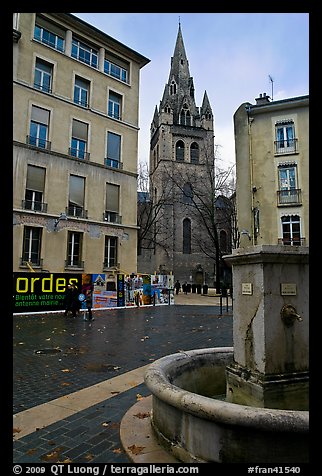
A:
{"points": [[197, 188], [151, 212]]}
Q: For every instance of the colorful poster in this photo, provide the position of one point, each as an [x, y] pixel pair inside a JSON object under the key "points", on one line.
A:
{"points": [[40, 292]]}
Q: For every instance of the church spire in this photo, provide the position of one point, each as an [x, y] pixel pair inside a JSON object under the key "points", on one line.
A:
{"points": [[179, 63]]}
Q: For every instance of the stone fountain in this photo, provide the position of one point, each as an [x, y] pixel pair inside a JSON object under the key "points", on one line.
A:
{"points": [[248, 403]]}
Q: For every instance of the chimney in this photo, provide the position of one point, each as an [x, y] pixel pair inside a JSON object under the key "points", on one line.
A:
{"points": [[263, 99]]}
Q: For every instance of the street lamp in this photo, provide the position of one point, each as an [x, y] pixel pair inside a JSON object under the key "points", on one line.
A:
{"points": [[62, 216]]}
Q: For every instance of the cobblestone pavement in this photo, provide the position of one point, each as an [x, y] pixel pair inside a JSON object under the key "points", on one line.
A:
{"points": [[54, 356]]}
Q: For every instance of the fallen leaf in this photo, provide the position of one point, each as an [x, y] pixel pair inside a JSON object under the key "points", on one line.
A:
{"points": [[65, 370], [31, 451], [115, 393], [136, 450], [139, 396], [106, 423], [65, 384], [118, 450], [142, 415], [67, 460], [16, 430], [89, 457]]}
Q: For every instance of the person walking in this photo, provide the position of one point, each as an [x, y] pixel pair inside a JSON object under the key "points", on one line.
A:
{"points": [[185, 287], [177, 286], [71, 300], [89, 302]]}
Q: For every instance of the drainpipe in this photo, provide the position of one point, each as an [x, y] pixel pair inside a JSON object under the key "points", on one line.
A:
{"points": [[250, 121]]}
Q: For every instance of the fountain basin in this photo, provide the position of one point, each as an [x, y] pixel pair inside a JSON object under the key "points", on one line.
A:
{"points": [[194, 423]]}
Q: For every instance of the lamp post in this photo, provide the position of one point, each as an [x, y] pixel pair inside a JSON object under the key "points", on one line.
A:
{"points": [[62, 216]]}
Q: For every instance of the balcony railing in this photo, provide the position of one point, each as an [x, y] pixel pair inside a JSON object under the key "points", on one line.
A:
{"points": [[112, 217], [79, 264], [291, 196], [78, 153], [116, 164], [289, 146], [292, 241], [38, 142], [76, 211], [43, 87], [34, 262], [111, 263], [34, 206]]}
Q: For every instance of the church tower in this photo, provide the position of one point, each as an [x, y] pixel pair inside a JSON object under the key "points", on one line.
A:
{"points": [[181, 146]]}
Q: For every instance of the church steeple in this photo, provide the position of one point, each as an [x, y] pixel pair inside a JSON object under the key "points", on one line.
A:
{"points": [[178, 93]]}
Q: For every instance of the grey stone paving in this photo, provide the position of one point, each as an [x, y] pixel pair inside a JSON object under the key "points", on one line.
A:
{"points": [[116, 342]]}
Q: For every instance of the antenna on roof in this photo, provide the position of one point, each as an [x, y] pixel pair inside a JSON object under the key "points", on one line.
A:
{"points": [[272, 81], [179, 22]]}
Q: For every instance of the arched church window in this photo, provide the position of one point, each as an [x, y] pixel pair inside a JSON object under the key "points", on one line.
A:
{"points": [[186, 232], [180, 150], [194, 153], [173, 88]]}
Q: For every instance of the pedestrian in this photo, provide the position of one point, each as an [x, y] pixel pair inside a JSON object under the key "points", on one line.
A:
{"points": [[71, 300], [177, 286], [185, 287], [89, 302]]}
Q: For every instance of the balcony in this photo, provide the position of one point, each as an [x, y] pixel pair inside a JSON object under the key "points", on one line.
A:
{"points": [[291, 196], [296, 241], [110, 265], [75, 264], [34, 206], [78, 153], [38, 142], [283, 147], [76, 211], [115, 164], [112, 217], [34, 262]]}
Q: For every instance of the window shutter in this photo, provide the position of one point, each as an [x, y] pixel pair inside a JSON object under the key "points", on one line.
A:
{"points": [[35, 178]]}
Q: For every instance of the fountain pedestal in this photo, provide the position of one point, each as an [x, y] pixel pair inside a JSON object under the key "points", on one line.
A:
{"points": [[271, 327]]}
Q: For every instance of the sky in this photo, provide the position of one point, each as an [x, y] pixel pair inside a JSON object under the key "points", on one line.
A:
{"points": [[231, 56]]}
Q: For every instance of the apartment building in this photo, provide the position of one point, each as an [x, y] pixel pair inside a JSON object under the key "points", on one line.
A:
{"points": [[272, 167], [75, 146]]}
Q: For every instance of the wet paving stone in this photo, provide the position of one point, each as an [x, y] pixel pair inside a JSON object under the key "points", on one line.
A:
{"points": [[116, 342]]}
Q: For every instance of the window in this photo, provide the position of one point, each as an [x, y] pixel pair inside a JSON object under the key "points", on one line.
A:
{"points": [[180, 150], [113, 150], [291, 230], [49, 34], [112, 203], [74, 250], [76, 196], [194, 153], [288, 192], [110, 252], [31, 245], [35, 188], [79, 140], [43, 76], [173, 88], [114, 105], [185, 116], [39, 127], [285, 137], [116, 68], [186, 236], [187, 193], [81, 92], [84, 53]]}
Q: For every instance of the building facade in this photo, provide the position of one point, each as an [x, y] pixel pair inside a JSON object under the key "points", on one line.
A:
{"points": [[272, 163], [181, 153], [75, 146]]}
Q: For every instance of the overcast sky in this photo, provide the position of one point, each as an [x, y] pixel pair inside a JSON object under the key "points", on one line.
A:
{"points": [[231, 56]]}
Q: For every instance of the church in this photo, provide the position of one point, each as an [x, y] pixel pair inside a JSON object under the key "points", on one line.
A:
{"points": [[179, 215]]}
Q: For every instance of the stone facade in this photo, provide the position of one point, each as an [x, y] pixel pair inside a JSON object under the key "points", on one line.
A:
{"points": [[75, 131], [181, 156]]}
